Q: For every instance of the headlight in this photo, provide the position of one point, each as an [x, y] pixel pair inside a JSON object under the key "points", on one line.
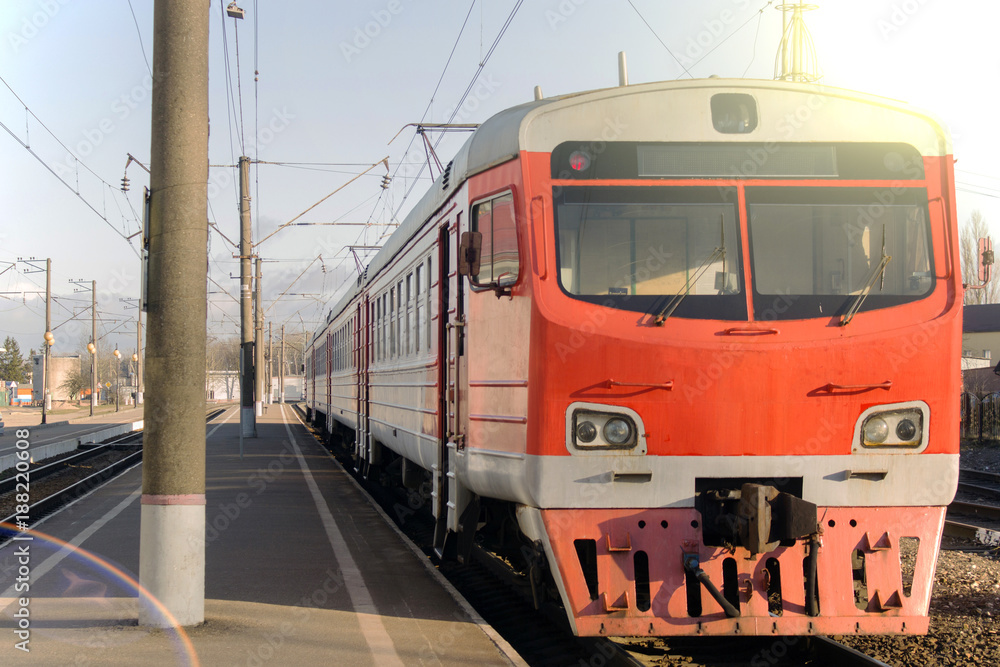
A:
{"points": [[586, 431], [617, 431], [906, 429], [593, 430], [893, 428], [876, 430]]}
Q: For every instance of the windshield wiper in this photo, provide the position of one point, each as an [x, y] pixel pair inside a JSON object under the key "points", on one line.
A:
{"points": [[675, 301], [879, 272]]}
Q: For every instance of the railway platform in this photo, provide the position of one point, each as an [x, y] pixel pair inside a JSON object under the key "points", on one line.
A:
{"points": [[301, 569]]}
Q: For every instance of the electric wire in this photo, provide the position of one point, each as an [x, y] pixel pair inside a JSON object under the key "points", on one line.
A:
{"points": [[239, 85], [70, 187], [256, 108], [423, 117], [726, 38], [458, 107], [139, 32], [482, 65], [753, 56], [662, 43], [230, 103], [77, 160]]}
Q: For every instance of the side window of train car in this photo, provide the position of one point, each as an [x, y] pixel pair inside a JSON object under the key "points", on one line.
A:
{"points": [[430, 296], [494, 219], [418, 306]]}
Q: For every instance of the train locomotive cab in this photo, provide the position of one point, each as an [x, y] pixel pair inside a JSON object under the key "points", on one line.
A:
{"points": [[741, 362], [699, 338]]}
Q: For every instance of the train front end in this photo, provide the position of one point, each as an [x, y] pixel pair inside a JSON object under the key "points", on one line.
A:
{"points": [[745, 335]]}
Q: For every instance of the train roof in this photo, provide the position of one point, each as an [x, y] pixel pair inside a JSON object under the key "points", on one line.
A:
{"points": [[504, 135]]}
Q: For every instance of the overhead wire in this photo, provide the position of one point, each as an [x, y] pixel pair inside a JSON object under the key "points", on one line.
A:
{"points": [[70, 187], [753, 56], [482, 64], [139, 32], [256, 118], [239, 84], [230, 102], [659, 39], [727, 37], [427, 110], [472, 83]]}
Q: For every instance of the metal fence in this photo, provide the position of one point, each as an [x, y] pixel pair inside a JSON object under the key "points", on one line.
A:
{"points": [[980, 417]]}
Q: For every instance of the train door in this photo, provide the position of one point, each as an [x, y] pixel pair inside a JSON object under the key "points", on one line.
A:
{"points": [[362, 360], [454, 504]]}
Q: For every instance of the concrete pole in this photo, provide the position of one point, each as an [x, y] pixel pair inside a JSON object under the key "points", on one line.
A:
{"points": [[258, 343], [138, 357], [281, 371], [270, 366], [46, 400], [248, 426], [93, 340], [172, 534]]}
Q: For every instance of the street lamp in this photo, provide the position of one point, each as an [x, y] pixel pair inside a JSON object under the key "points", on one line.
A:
{"points": [[118, 365], [92, 348]]}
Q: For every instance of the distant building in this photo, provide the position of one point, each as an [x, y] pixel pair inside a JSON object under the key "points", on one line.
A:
{"points": [[19, 396], [60, 367], [222, 386], [981, 348], [293, 388], [981, 332]]}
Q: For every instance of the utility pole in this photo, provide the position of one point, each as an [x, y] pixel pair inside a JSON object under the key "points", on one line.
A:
{"points": [[138, 358], [172, 533], [48, 338], [93, 344], [281, 371], [258, 338], [248, 425], [270, 366]]}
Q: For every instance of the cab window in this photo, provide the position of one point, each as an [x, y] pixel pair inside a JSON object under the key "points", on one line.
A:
{"points": [[494, 219]]}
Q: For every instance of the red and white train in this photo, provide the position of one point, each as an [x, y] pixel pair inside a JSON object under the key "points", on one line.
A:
{"points": [[698, 339]]}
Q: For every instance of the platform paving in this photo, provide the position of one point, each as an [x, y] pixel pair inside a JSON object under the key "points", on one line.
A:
{"points": [[301, 569]]}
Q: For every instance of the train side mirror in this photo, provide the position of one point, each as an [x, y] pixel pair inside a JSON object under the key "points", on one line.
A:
{"points": [[470, 253]]}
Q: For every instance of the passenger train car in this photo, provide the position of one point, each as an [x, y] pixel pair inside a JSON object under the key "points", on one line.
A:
{"points": [[697, 341]]}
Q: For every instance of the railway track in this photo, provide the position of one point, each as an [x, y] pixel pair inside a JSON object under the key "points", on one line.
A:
{"points": [[38, 472], [976, 482], [976, 521], [81, 484], [543, 638]]}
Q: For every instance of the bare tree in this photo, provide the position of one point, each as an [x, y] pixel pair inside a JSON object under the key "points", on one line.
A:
{"points": [[224, 355], [974, 229], [76, 381]]}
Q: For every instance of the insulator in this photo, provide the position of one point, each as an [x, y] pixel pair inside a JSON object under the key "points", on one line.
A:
{"points": [[385, 182], [124, 183]]}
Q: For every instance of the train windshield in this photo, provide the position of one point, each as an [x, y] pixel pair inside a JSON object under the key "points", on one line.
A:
{"points": [[647, 249], [818, 252]]}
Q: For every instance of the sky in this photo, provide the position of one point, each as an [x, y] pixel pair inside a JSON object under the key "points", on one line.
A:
{"points": [[314, 92]]}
